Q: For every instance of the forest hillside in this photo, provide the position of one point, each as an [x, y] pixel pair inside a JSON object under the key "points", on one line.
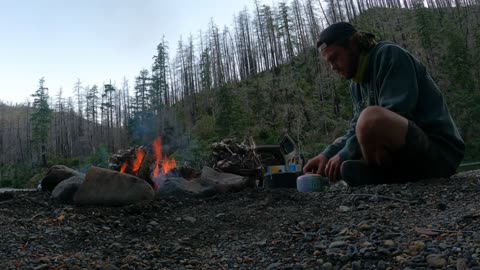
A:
{"points": [[258, 78]]}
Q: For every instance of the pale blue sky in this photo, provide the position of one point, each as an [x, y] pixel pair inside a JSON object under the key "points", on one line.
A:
{"points": [[94, 40]]}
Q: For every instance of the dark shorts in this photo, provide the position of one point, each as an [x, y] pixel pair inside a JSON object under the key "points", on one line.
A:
{"points": [[418, 159]]}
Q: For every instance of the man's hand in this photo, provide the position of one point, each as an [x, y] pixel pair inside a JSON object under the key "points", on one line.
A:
{"points": [[332, 169], [316, 165]]}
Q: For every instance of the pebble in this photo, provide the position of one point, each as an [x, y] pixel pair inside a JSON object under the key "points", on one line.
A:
{"points": [[364, 227], [436, 260], [42, 266], [274, 266], [116, 245], [327, 266], [381, 265], [388, 243], [462, 264], [352, 250], [337, 244], [190, 219]]}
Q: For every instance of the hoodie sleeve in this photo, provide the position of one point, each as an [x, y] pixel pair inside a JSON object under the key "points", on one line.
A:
{"points": [[348, 147]]}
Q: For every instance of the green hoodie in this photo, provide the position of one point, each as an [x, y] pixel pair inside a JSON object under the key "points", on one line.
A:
{"points": [[397, 81]]}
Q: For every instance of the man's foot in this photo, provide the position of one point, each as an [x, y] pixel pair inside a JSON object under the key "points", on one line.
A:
{"points": [[358, 173]]}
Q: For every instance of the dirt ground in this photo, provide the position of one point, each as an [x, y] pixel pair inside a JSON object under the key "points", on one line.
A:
{"points": [[430, 224]]}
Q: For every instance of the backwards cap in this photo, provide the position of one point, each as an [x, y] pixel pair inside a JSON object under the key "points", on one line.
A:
{"points": [[336, 32]]}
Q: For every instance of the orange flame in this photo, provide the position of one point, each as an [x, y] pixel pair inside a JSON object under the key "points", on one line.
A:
{"points": [[161, 163], [124, 167], [138, 161], [168, 165]]}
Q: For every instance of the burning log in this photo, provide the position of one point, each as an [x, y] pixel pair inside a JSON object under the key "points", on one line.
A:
{"points": [[150, 163]]}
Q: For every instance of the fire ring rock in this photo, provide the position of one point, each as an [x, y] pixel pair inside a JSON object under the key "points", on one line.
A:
{"points": [[223, 182], [65, 191], [179, 187], [111, 188], [56, 174]]}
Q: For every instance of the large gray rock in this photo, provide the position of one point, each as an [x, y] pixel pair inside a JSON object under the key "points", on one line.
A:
{"points": [[223, 182], [65, 191], [179, 187], [111, 188], [56, 174]]}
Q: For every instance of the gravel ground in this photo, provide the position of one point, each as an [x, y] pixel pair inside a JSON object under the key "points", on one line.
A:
{"points": [[431, 224]]}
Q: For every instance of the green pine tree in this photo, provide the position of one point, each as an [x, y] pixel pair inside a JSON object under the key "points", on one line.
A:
{"points": [[41, 121]]}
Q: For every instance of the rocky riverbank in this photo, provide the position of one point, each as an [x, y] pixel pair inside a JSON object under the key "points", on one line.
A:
{"points": [[431, 224]]}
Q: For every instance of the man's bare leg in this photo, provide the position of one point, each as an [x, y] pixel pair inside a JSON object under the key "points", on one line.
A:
{"points": [[380, 132]]}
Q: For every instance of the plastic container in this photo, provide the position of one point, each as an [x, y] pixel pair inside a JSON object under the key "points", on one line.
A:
{"points": [[312, 183]]}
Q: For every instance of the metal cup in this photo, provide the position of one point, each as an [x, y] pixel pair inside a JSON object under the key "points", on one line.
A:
{"points": [[312, 183]]}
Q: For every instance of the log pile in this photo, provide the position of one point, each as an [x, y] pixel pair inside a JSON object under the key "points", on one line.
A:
{"points": [[237, 158]]}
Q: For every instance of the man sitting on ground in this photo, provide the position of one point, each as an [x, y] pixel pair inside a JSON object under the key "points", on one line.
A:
{"points": [[401, 130]]}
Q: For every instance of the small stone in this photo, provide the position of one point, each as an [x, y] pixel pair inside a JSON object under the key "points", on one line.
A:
{"points": [[298, 267], [417, 246], [44, 260], [367, 244], [307, 238], [42, 266], [388, 243], [319, 245], [436, 260], [317, 253], [456, 249], [116, 246], [356, 265], [352, 250], [327, 266], [383, 251], [343, 208], [219, 215], [337, 244], [364, 227], [274, 266], [153, 223], [462, 264], [381, 265], [190, 219]]}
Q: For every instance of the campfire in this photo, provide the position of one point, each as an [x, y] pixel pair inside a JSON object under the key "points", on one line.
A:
{"points": [[138, 174], [158, 165]]}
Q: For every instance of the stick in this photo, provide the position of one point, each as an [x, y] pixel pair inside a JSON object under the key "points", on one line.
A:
{"points": [[446, 231], [379, 196], [36, 215]]}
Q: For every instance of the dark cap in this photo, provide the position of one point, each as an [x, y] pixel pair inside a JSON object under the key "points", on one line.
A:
{"points": [[336, 32]]}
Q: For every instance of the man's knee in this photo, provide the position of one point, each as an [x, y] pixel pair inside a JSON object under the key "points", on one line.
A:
{"points": [[380, 125], [369, 123]]}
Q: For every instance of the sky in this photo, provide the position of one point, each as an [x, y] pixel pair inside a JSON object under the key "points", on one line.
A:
{"points": [[94, 40]]}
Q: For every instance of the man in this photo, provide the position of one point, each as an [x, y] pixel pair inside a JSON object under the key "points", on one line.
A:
{"points": [[401, 130]]}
